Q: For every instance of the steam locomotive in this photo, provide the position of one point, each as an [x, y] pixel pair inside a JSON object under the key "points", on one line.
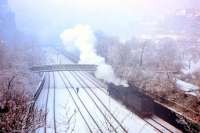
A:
{"points": [[133, 99]]}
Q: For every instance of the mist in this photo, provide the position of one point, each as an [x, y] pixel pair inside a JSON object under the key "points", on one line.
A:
{"points": [[48, 18], [146, 55]]}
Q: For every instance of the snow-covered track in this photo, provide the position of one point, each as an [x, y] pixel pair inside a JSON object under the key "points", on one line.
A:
{"points": [[90, 106], [78, 80], [90, 89], [84, 104]]}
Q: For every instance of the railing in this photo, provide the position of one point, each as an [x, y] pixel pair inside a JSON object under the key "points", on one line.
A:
{"points": [[64, 67]]}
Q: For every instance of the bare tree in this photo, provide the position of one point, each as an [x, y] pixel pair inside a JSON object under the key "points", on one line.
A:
{"points": [[17, 103]]}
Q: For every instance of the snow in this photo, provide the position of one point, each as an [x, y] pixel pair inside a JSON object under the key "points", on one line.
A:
{"points": [[65, 107], [187, 87]]}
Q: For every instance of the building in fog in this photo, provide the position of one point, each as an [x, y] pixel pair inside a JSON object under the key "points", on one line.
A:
{"points": [[7, 21]]}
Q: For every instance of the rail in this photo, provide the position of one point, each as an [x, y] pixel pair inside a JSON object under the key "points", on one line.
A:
{"points": [[82, 86], [39, 88], [62, 78], [35, 97]]}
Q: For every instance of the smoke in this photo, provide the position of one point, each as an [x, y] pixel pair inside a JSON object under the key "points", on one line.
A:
{"points": [[83, 38]]}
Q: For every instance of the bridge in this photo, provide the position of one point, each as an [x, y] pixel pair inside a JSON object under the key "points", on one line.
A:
{"points": [[64, 67]]}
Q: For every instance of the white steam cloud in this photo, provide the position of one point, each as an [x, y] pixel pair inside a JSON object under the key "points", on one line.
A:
{"points": [[83, 38]]}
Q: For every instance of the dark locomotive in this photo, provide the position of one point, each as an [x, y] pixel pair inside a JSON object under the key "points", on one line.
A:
{"points": [[145, 106], [132, 99]]}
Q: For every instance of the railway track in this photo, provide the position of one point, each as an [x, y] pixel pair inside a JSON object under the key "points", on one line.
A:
{"points": [[94, 81], [88, 84], [114, 129], [54, 104], [46, 103], [155, 124], [82, 79], [101, 102], [76, 104], [93, 119]]}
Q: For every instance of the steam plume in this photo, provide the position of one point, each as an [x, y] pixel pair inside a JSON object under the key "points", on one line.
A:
{"points": [[83, 38]]}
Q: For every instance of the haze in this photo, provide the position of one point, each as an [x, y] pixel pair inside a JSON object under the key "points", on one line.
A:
{"points": [[48, 18]]}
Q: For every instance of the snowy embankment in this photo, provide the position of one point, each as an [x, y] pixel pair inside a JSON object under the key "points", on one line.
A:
{"points": [[187, 87]]}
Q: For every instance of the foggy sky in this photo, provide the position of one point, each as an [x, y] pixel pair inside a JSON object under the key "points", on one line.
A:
{"points": [[48, 18]]}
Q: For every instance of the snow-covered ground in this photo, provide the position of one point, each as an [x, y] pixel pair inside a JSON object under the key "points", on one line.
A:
{"points": [[189, 68], [68, 117], [75, 102], [187, 87]]}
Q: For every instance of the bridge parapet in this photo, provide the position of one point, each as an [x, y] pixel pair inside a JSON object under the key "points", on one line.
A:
{"points": [[64, 67]]}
